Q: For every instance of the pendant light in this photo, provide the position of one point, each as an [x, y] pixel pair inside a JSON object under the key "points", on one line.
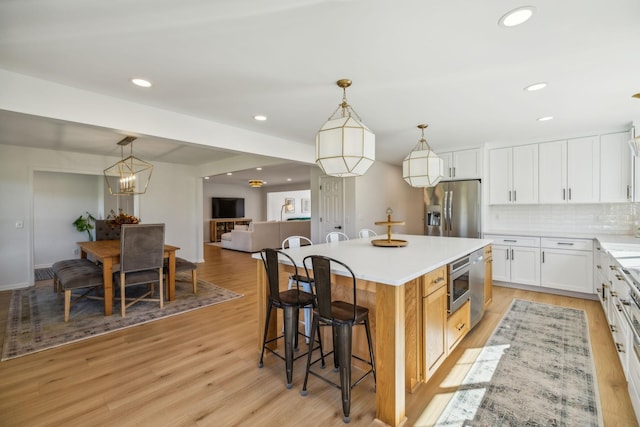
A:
{"points": [[422, 167], [130, 175], [344, 146]]}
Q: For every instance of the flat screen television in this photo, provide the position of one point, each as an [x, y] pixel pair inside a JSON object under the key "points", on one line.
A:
{"points": [[227, 207]]}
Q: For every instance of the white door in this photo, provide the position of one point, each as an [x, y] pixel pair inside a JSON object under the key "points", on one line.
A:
{"points": [[501, 265], [525, 174], [615, 168], [568, 270], [500, 176], [553, 172], [525, 266], [331, 206], [583, 170]]}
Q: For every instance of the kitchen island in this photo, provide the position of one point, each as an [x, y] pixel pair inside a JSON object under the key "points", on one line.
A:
{"points": [[390, 282]]}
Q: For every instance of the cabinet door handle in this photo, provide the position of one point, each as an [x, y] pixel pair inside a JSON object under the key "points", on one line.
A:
{"points": [[564, 194], [509, 195], [569, 193], [628, 192], [450, 173], [514, 195], [460, 326], [620, 347], [454, 171], [507, 252], [543, 257], [512, 255]]}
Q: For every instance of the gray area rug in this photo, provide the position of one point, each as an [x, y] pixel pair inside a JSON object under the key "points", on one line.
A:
{"points": [[36, 317], [535, 370]]}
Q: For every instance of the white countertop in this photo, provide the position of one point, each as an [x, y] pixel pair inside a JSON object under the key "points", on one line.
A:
{"points": [[613, 238], [391, 266]]}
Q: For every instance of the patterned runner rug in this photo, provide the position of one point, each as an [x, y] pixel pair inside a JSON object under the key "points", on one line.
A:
{"points": [[36, 318], [535, 370]]}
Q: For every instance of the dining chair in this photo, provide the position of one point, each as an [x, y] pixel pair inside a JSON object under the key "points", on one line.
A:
{"points": [[304, 281], [141, 262], [336, 236], [341, 316], [366, 232], [290, 301], [183, 265], [106, 231], [74, 275]]}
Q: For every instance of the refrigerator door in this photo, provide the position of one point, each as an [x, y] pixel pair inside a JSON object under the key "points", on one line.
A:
{"points": [[434, 203], [464, 209]]}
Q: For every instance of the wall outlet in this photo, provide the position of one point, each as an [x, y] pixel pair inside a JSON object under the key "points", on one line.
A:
{"points": [[19, 224]]}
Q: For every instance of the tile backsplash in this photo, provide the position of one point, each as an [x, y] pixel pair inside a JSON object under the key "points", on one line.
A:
{"points": [[602, 218]]}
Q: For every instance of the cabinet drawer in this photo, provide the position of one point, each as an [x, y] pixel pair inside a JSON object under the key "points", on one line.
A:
{"points": [[514, 240], [458, 325], [434, 280], [573, 244]]}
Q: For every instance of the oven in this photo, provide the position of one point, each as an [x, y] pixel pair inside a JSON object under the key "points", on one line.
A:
{"points": [[459, 290]]}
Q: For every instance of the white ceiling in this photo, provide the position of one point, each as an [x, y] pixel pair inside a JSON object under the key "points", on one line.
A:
{"points": [[447, 64]]}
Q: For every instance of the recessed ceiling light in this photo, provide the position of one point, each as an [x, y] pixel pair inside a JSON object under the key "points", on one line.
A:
{"points": [[517, 16], [229, 173], [535, 86], [260, 118], [258, 169], [288, 179], [141, 82], [545, 118], [206, 177]]}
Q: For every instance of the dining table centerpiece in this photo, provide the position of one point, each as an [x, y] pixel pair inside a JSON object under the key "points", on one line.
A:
{"points": [[117, 219]]}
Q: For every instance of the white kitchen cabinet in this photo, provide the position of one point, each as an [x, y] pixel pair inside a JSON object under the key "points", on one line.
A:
{"points": [[513, 175], [569, 171], [462, 164], [567, 264], [615, 168], [516, 259]]}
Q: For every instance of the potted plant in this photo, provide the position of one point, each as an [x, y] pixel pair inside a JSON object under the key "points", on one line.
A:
{"points": [[85, 223]]}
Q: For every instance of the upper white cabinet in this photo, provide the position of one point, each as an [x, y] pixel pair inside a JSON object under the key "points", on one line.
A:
{"points": [[569, 171], [615, 168], [462, 164], [513, 175]]}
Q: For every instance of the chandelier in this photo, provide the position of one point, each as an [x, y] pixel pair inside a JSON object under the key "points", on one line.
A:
{"points": [[422, 167], [130, 175], [255, 183], [344, 146]]}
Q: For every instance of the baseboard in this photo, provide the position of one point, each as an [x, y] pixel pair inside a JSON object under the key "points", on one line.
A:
{"points": [[10, 287], [545, 290]]}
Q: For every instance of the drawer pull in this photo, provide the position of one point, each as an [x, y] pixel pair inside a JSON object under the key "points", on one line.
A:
{"points": [[619, 277], [620, 347], [438, 280], [565, 243], [619, 307], [509, 240], [612, 267], [613, 293], [613, 328], [460, 326]]}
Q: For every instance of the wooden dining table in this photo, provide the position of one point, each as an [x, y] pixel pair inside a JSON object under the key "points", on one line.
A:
{"points": [[108, 252]]}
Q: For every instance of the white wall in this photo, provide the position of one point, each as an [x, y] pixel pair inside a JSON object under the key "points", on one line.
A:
{"points": [[380, 188], [275, 200], [174, 197], [58, 200]]}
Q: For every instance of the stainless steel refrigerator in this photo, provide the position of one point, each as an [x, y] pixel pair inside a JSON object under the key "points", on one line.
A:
{"points": [[452, 209]]}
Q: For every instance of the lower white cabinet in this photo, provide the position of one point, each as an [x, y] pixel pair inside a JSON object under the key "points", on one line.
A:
{"points": [[567, 264], [516, 259]]}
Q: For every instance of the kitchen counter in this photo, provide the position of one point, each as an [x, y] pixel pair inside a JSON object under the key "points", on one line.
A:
{"points": [[613, 238], [390, 281]]}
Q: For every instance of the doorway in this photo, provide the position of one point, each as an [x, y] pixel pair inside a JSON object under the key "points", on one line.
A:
{"points": [[331, 205]]}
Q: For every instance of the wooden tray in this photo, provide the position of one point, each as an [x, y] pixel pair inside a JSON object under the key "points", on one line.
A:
{"points": [[389, 243]]}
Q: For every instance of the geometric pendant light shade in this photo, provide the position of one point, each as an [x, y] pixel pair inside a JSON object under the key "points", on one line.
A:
{"points": [[422, 167], [344, 146], [130, 175]]}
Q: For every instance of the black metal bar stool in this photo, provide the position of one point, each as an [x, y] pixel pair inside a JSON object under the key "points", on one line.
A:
{"points": [[342, 317], [290, 301]]}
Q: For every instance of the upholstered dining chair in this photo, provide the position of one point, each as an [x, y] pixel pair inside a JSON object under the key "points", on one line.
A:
{"points": [[290, 301], [341, 316], [75, 275], [105, 231], [336, 236], [141, 262], [366, 232], [302, 280], [183, 265]]}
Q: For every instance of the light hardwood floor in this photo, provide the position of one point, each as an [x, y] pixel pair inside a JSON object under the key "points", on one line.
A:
{"points": [[201, 369]]}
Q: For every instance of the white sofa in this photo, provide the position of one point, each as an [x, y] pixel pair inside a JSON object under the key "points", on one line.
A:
{"points": [[264, 234]]}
